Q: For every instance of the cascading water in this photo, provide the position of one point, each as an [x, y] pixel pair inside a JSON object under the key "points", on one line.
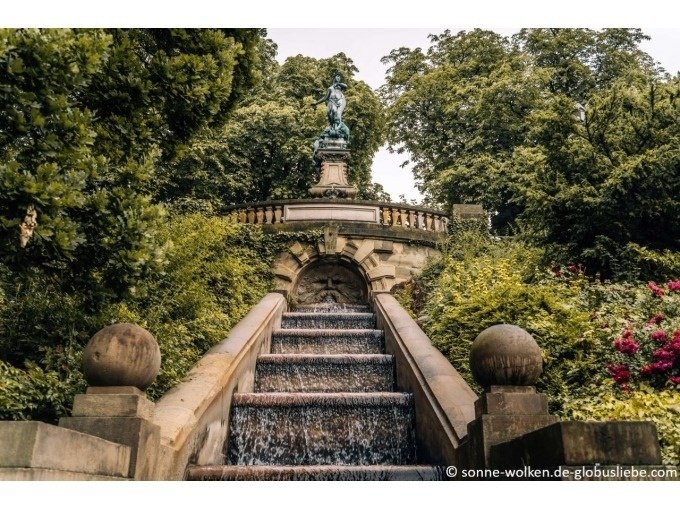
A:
{"points": [[324, 407], [331, 320], [321, 429], [328, 341], [324, 373]]}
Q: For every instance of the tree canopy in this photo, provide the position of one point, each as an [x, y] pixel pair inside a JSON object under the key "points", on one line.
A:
{"points": [[85, 116], [569, 136], [264, 149]]}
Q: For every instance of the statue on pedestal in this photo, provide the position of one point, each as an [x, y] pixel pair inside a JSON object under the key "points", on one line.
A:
{"points": [[331, 149], [335, 105]]}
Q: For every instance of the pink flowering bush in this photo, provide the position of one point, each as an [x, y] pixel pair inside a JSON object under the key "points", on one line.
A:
{"points": [[649, 351]]}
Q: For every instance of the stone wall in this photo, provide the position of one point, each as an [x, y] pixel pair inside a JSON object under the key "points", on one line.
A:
{"points": [[383, 257]]}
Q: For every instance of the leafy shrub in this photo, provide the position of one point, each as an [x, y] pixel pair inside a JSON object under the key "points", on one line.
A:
{"points": [[646, 403], [212, 276], [586, 328], [485, 282], [648, 347]]}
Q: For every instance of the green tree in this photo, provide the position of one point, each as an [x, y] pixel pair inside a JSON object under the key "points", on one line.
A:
{"points": [[458, 110], [264, 150], [600, 188], [85, 116], [568, 134]]}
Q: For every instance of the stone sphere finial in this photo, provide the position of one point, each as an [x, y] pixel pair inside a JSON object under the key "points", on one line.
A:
{"points": [[122, 355], [505, 355]]}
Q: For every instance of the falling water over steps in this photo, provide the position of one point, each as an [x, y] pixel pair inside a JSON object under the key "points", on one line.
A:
{"points": [[324, 407]]}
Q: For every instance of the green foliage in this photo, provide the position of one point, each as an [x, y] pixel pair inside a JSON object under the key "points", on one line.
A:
{"points": [[483, 283], [210, 280], [660, 407], [84, 117], [641, 262], [568, 135], [264, 150], [611, 181], [577, 321], [35, 394]]}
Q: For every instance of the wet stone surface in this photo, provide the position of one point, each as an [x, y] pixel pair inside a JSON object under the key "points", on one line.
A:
{"points": [[331, 320], [323, 373], [324, 406], [303, 429], [313, 341]]}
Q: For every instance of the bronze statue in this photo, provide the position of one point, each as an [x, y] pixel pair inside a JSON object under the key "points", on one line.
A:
{"points": [[335, 105]]}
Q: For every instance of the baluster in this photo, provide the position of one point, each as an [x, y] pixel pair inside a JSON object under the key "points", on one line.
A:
{"points": [[259, 213], [268, 214], [395, 216], [251, 215], [402, 217], [411, 218], [428, 221], [385, 214], [437, 223], [241, 216], [421, 221], [278, 213]]}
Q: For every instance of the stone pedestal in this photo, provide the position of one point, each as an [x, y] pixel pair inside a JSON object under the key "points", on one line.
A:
{"points": [[502, 414], [333, 182], [121, 415]]}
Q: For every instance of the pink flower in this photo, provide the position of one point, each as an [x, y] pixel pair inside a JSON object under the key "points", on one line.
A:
{"points": [[626, 345], [674, 346], [656, 319], [619, 372], [659, 336], [647, 370], [656, 290], [673, 286], [662, 366], [674, 379], [664, 355], [573, 268]]}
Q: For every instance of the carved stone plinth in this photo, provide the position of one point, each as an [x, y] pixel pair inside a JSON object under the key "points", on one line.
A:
{"points": [[333, 181]]}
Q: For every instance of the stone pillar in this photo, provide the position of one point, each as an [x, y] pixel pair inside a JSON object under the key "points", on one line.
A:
{"points": [[119, 362], [333, 182], [506, 361]]}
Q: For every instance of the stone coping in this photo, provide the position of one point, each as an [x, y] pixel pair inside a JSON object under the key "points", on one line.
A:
{"points": [[192, 415], [444, 401], [336, 201]]}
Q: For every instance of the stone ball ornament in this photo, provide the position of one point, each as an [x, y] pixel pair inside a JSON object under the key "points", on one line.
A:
{"points": [[122, 355], [505, 355]]}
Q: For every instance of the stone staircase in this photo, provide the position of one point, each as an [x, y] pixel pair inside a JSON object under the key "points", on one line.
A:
{"points": [[324, 406]]}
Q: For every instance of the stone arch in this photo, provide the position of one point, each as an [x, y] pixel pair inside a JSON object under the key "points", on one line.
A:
{"points": [[330, 279], [359, 254]]}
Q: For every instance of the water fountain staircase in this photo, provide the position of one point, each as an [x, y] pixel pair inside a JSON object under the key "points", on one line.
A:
{"points": [[324, 406]]}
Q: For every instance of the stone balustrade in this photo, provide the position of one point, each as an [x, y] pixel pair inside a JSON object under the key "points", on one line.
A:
{"points": [[393, 215]]}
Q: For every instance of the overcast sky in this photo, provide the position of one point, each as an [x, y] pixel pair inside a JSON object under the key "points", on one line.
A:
{"points": [[366, 46]]}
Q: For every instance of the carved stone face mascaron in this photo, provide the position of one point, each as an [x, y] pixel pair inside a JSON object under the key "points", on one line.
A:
{"points": [[327, 282]]}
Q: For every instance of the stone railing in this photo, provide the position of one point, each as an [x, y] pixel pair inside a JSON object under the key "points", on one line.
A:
{"points": [[393, 215], [444, 402]]}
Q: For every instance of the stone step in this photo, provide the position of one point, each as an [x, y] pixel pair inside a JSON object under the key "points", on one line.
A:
{"points": [[328, 341], [321, 429], [324, 373], [334, 320], [316, 473], [331, 307]]}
